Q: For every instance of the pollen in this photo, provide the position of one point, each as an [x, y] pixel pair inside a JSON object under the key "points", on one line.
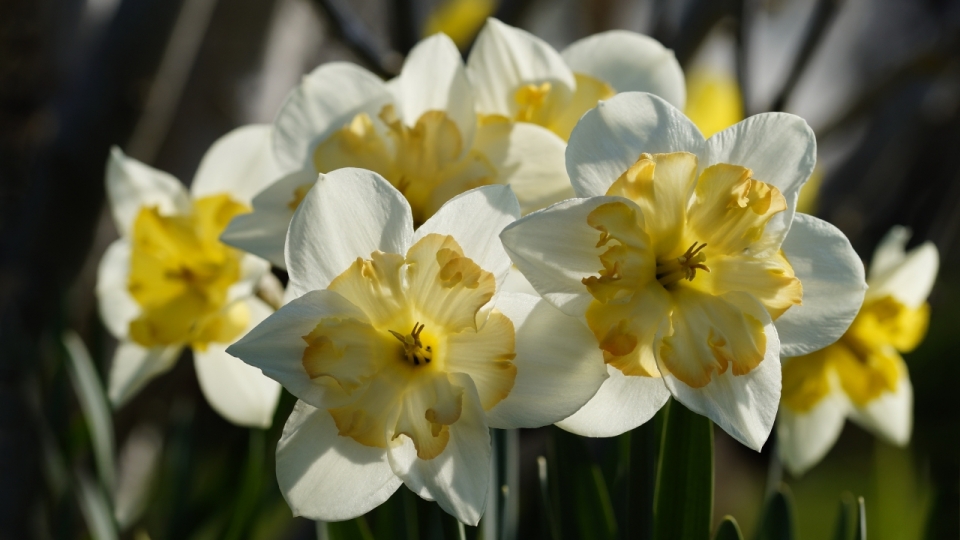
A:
{"points": [[683, 267], [413, 349]]}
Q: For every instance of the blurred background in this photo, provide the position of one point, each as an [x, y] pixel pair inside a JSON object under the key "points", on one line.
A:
{"points": [[878, 80]]}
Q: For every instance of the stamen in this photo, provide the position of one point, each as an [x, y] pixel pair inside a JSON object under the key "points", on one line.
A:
{"points": [[413, 349], [683, 267]]}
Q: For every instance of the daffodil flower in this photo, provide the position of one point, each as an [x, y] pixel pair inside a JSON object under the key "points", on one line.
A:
{"points": [[169, 283], [419, 131], [862, 376], [519, 77], [686, 259], [403, 350]]}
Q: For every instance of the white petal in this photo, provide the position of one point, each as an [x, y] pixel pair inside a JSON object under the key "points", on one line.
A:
{"points": [[517, 283], [134, 366], [117, 306], [890, 251], [505, 58], [889, 416], [559, 366], [555, 249], [459, 477], [539, 182], [132, 185], [911, 279], [239, 163], [779, 148], [475, 219], [622, 403], [252, 268], [434, 79], [832, 278], [276, 345], [804, 438], [349, 213], [328, 477], [745, 406], [263, 232], [629, 62], [611, 137], [240, 393], [326, 99]]}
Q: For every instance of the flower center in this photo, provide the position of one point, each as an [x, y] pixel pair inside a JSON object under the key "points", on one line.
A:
{"points": [[532, 100], [683, 267], [414, 350]]}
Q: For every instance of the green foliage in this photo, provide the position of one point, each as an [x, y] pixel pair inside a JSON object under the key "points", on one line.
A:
{"points": [[354, 529], [778, 519], [580, 490], [728, 530], [683, 503]]}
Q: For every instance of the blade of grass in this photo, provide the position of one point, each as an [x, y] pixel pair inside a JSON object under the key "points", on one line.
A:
{"points": [[728, 530]]}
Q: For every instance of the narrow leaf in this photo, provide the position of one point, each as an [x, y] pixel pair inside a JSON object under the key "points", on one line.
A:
{"points": [[778, 517], [861, 530], [683, 502], [354, 529], [547, 514], [586, 510], [95, 509], [728, 530], [96, 410], [847, 519]]}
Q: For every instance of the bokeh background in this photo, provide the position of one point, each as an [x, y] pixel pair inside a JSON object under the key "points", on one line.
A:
{"points": [[878, 80]]}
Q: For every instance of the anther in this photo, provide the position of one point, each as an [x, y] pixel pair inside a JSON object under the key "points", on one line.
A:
{"points": [[683, 267], [413, 349]]}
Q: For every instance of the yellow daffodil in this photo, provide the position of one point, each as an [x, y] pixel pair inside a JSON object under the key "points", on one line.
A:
{"points": [[419, 131], [459, 19], [688, 262], [403, 350], [169, 283], [519, 77], [862, 376]]}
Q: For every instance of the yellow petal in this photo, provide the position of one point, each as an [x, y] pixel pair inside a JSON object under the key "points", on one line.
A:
{"points": [[357, 144], [629, 263], [429, 406], [887, 321], [865, 372], [374, 286], [806, 379], [713, 101], [346, 350], [487, 357], [770, 280], [590, 91]]}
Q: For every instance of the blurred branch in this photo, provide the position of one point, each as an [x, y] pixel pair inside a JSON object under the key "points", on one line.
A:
{"points": [[350, 29], [823, 14], [743, 8], [175, 66]]}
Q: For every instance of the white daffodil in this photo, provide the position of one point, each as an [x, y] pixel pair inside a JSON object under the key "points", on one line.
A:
{"points": [[521, 78], [403, 351], [862, 376], [419, 131], [169, 283], [687, 260]]}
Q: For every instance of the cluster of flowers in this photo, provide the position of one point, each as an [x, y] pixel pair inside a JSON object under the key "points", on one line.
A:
{"points": [[528, 238]]}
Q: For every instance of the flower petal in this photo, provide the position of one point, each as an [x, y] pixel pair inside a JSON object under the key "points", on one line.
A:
{"points": [[555, 249], [132, 185], [117, 306], [559, 367], [474, 219], [832, 278], [328, 477], [910, 278], [504, 59], [349, 213], [611, 137], [458, 479], [239, 163], [238, 392], [276, 345], [890, 416], [803, 438], [745, 406], [779, 148], [539, 182], [328, 98], [433, 78], [629, 62], [622, 403], [134, 366], [263, 232]]}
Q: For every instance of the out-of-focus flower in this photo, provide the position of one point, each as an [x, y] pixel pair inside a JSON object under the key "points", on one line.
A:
{"points": [[862, 376], [714, 102], [169, 283], [403, 350], [459, 19], [687, 260], [519, 77], [419, 131]]}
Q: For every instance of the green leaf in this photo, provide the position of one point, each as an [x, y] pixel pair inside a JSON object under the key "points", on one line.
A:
{"points": [[860, 532], [548, 516], [586, 510], [631, 471], [96, 410], [778, 521], [354, 529], [95, 508], [846, 521], [683, 501], [728, 530]]}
